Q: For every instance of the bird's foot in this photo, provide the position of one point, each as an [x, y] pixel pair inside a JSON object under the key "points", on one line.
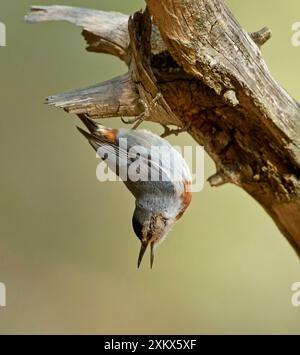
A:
{"points": [[168, 131], [136, 121]]}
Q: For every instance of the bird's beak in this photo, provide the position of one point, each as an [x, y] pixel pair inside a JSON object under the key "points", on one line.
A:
{"points": [[152, 253], [144, 246]]}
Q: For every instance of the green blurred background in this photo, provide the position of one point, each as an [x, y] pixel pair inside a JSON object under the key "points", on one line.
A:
{"points": [[67, 250]]}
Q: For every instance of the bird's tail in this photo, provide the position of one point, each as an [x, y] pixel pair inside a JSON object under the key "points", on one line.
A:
{"points": [[91, 125], [98, 135]]}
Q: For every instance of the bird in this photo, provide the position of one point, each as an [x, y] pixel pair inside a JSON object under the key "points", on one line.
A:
{"points": [[160, 201]]}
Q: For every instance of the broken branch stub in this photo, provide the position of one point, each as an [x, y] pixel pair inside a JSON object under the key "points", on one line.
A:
{"points": [[113, 98], [105, 32]]}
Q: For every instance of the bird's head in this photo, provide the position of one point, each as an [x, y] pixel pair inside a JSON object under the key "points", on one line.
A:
{"points": [[151, 228]]}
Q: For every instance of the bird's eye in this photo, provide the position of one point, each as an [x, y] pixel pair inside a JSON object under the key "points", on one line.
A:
{"points": [[137, 227]]}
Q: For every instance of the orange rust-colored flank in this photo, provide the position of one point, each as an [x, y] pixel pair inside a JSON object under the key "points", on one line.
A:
{"points": [[186, 198], [110, 134]]}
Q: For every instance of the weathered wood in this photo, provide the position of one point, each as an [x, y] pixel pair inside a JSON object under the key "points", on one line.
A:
{"points": [[113, 98], [204, 72], [261, 122], [105, 32], [262, 36]]}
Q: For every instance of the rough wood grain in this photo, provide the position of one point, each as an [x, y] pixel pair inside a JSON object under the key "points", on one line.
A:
{"points": [[210, 77], [105, 32], [261, 122], [113, 98]]}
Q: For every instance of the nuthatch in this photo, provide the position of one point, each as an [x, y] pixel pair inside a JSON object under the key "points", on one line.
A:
{"points": [[159, 202]]}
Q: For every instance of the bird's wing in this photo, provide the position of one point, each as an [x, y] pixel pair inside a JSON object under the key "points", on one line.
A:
{"points": [[144, 155], [161, 151], [128, 159]]}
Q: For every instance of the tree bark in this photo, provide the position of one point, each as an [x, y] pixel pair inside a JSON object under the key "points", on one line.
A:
{"points": [[206, 74]]}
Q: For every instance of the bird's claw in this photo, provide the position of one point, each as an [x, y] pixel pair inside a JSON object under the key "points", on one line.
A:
{"points": [[130, 120], [136, 121]]}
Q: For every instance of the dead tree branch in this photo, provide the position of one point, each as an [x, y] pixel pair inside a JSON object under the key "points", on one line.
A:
{"points": [[113, 98], [206, 73]]}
